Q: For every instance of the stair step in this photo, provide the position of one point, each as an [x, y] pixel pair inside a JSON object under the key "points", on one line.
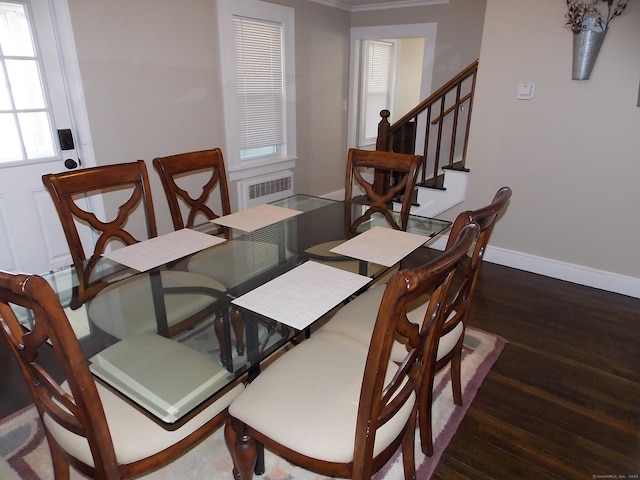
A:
{"points": [[433, 201], [435, 183], [457, 166], [414, 200]]}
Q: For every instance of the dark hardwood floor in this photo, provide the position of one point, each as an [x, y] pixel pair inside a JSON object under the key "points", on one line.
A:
{"points": [[562, 401]]}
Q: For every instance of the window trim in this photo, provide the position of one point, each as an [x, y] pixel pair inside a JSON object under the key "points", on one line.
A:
{"points": [[238, 169]]}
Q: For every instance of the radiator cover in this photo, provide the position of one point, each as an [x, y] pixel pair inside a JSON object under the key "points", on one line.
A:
{"points": [[264, 189]]}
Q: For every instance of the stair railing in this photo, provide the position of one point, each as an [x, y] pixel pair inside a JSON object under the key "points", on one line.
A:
{"points": [[402, 135]]}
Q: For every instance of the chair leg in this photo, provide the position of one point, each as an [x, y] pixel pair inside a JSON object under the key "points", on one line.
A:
{"points": [[424, 417], [237, 322], [243, 449], [408, 448], [59, 462], [456, 380]]}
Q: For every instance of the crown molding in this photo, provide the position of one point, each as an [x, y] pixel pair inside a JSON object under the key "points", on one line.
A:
{"points": [[379, 6]]}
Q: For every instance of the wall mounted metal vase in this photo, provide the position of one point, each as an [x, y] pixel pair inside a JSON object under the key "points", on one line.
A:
{"points": [[586, 45]]}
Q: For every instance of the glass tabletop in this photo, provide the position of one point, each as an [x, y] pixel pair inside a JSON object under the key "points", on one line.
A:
{"points": [[174, 373]]}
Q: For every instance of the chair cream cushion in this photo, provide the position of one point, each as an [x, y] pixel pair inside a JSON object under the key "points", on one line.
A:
{"points": [[358, 317], [135, 435], [307, 400], [235, 261], [165, 376], [126, 307]]}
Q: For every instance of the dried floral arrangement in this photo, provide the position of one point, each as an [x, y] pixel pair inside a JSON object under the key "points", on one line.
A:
{"points": [[585, 15]]}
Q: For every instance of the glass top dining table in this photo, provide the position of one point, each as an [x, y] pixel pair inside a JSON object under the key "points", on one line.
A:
{"points": [[172, 377]]}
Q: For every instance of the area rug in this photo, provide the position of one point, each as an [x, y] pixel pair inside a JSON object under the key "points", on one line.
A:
{"points": [[25, 453]]}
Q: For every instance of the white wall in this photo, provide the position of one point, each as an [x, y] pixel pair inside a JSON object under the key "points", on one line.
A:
{"points": [[409, 76], [458, 37], [151, 76], [150, 70], [571, 155]]}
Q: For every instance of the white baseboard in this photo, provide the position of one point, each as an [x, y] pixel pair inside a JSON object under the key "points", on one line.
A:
{"points": [[590, 277]]}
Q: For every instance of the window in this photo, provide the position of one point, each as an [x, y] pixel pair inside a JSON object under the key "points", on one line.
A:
{"points": [[257, 52], [259, 91], [378, 73], [25, 120]]}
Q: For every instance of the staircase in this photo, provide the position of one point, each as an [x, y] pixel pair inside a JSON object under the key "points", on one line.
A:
{"points": [[438, 130], [431, 202]]}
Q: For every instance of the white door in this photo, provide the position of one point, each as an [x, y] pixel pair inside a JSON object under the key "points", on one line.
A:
{"points": [[35, 136]]}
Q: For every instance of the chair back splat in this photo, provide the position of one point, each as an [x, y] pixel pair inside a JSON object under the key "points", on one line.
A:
{"points": [[363, 204], [404, 168], [67, 189], [172, 167], [307, 398]]}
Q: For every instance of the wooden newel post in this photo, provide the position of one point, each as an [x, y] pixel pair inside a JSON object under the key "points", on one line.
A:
{"points": [[381, 179], [383, 131]]}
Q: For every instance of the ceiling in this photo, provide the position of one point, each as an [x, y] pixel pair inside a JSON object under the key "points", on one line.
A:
{"points": [[361, 5]]}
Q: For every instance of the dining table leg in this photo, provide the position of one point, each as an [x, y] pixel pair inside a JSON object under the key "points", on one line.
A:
{"points": [[259, 468], [223, 333], [159, 307]]}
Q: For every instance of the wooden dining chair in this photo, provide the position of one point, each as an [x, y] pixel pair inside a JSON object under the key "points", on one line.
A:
{"points": [[359, 189], [196, 209], [404, 168], [340, 408], [187, 210], [356, 319], [128, 297], [230, 263], [199, 209], [86, 424]]}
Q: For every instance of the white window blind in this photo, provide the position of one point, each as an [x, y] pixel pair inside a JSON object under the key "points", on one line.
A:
{"points": [[257, 56], [377, 83], [259, 76]]}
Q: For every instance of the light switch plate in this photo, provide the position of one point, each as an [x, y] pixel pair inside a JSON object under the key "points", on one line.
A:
{"points": [[526, 90]]}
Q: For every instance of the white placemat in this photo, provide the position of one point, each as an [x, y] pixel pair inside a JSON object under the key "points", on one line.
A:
{"points": [[384, 246], [256, 217], [302, 295], [157, 251]]}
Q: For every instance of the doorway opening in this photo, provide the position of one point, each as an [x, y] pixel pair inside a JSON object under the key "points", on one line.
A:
{"points": [[391, 68]]}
